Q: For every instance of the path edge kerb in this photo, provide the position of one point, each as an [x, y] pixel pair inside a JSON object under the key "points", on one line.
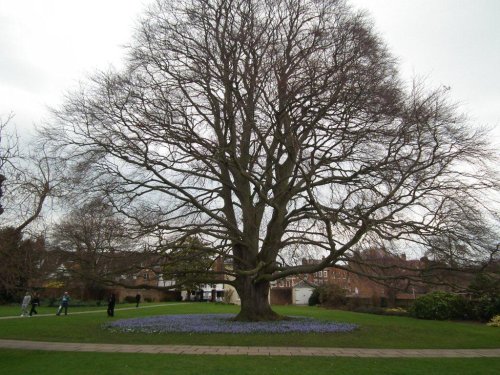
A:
{"points": [[249, 350]]}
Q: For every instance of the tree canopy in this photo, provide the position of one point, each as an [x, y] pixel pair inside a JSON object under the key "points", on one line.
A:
{"points": [[21, 263], [269, 128], [95, 244]]}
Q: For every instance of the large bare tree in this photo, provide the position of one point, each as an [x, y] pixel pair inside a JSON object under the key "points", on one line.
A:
{"points": [[270, 127]]}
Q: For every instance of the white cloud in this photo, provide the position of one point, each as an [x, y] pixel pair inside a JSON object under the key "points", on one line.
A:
{"points": [[48, 46], [449, 42]]}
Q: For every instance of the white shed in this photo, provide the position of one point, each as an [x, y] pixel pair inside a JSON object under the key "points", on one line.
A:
{"points": [[301, 293]]}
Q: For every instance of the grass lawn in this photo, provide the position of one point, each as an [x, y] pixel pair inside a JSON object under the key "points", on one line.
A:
{"points": [[375, 331], [55, 363]]}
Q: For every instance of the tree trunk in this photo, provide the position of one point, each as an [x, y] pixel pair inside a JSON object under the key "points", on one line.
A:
{"points": [[255, 301]]}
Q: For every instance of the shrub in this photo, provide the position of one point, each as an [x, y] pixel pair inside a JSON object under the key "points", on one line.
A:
{"points": [[485, 289], [485, 284], [172, 297], [314, 297], [332, 295], [328, 295], [129, 299], [495, 322], [355, 303], [439, 306], [484, 308]]}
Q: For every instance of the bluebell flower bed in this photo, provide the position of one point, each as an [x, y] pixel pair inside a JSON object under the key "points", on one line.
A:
{"points": [[223, 323]]}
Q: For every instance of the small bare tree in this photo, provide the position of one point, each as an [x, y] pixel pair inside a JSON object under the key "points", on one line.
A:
{"points": [[8, 150], [268, 128], [27, 181], [22, 263], [95, 243], [29, 177]]}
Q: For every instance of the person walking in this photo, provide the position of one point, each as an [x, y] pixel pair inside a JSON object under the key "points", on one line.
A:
{"points": [[64, 304], [35, 301], [111, 304], [25, 303], [137, 299]]}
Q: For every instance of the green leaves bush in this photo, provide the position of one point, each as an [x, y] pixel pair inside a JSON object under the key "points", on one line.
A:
{"points": [[329, 295], [484, 308], [314, 297], [333, 296], [439, 306]]}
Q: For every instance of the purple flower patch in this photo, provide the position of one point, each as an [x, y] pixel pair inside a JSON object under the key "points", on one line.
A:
{"points": [[223, 323]]}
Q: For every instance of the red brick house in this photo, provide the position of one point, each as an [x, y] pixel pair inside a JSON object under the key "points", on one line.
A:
{"points": [[375, 276]]}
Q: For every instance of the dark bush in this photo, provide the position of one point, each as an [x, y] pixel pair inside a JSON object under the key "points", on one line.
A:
{"points": [[440, 306], [485, 285], [485, 291], [129, 299], [172, 296], [355, 303], [332, 295], [314, 298], [484, 308]]}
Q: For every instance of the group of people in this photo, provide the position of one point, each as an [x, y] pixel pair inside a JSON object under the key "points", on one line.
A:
{"points": [[34, 301], [28, 301]]}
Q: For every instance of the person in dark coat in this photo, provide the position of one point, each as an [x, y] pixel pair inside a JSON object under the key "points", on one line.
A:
{"points": [[111, 304], [35, 301], [137, 299]]}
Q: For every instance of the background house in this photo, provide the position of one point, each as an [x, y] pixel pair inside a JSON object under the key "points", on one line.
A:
{"points": [[374, 276]]}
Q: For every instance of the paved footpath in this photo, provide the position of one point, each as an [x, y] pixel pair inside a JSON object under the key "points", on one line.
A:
{"points": [[249, 350]]}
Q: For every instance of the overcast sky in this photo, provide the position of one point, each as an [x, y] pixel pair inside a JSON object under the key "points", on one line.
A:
{"points": [[47, 46]]}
